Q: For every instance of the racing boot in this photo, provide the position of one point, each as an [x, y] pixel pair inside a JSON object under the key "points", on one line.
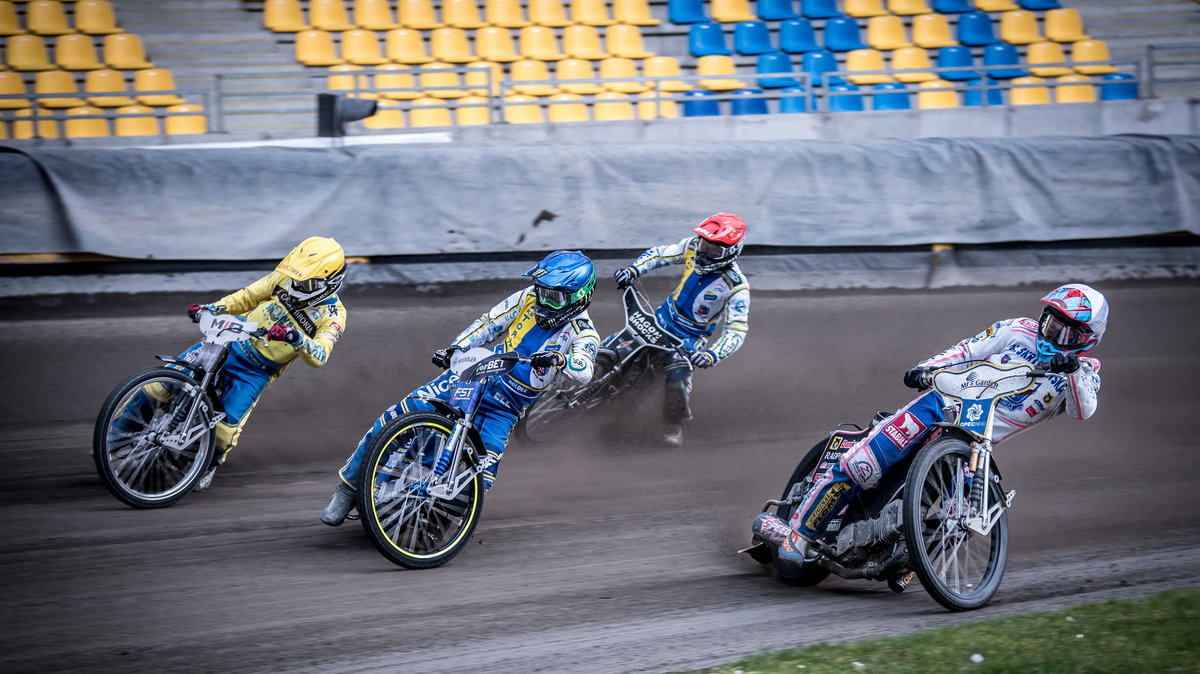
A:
{"points": [[205, 480], [341, 502], [792, 546], [673, 434]]}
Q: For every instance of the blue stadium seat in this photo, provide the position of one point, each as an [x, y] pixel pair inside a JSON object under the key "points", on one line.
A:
{"points": [[776, 63], [1118, 87], [752, 38], [842, 35], [796, 36], [846, 102], [956, 57], [820, 9], [707, 38], [1036, 5], [793, 103], [699, 103], [953, 6], [744, 102], [891, 96], [776, 10], [974, 97], [1002, 54], [817, 63], [975, 29], [686, 11]]}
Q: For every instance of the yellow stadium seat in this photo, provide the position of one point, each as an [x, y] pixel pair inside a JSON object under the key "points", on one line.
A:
{"points": [[461, 14], [886, 33], [418, 14], [866, 59], [539, 42], [1075, 89], [328, 15], [626, 41], [12, 84], [440, 84], [450, 45], [283, 16], [932, 31], [567, 108], [1019, 27], [611, 106], [316, 48], [665, 66], [912, 58], [527, 70], [577, 69], [406, 45], [583, 42], [76, 52], [109, 81], [46, 17], [1025, 91], [1047, 52], [1064, 25], [388, 115], [619, 67], [397, 77], [1091, 50], [46, 128], [424, 114], [96, 17], [472, 116], [374, 15], [133, 123], [340, 81], [57, 82], [548, 13], [124, 51], [861, 9], [504, 13], [908, 7], [524, 112], [590, 13], [995, 5], [479, 82], [185, 125], [9, 23], [634, 13], [495, 43], [27, 52], [362, 47], [84, 123], [156, 79], [929, 98], [732, 11], [716, 64], [656, 109]]}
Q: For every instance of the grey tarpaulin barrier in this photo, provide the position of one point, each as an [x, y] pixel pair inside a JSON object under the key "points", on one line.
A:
{"points": [[255, 203]]}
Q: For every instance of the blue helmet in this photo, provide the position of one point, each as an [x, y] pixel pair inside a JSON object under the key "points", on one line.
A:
{"points": [[564, 281], [1073, 320]]}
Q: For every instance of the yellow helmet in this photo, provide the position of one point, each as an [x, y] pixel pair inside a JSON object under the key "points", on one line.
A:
{"points": [[316, 268]]}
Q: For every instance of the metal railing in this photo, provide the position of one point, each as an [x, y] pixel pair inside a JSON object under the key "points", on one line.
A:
{"points": [[36, 114], [1156, 57]]}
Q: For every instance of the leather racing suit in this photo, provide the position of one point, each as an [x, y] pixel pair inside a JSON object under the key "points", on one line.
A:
{"points": [[504, 398], [1008, 342]]}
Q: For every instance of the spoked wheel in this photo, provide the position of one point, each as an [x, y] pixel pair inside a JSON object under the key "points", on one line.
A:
{"points": [[960, 569], [406, 523], [143, 453], [546, 419], [809, 574]]}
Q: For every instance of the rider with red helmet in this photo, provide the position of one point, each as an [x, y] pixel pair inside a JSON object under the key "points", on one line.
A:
{"points": [[711, 292]]}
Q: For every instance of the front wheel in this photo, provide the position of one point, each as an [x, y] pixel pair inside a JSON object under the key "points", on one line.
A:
{"points": [[807, 574], [408, 525], [152, 440], [960, 569]]}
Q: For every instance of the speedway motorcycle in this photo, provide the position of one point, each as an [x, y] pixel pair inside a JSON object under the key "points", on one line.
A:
{"points": [[940, 513], [154, 437]]}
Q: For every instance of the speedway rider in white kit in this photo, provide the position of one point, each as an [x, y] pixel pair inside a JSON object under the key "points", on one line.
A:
{"points": [[1073, 321]]}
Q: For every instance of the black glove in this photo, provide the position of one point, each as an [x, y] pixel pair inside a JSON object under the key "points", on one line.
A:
{"points": [[279, 333], [919, 378], [625, 276], [1064, 363], [547, 359], [441, 357], [703, 359], [193, 312]]}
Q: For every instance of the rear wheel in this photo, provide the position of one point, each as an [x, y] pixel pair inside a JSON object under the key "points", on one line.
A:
{"points": [[408, 525], [960, 569], [144, 454], [809, 574]]}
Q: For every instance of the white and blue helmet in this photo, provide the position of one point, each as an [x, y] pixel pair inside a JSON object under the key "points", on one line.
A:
{"points": [[564, 281], [1073, 320]]}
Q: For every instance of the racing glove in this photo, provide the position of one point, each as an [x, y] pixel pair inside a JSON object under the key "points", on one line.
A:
{"points": [[279, 333], [1064, 363], [625, 276], [703, 359], [441, 357], [193, 311], [919, 378], [547, 359]]}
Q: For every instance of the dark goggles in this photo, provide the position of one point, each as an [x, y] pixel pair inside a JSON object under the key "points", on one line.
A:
{"points": [[310, 285], [1061, 333], [713, 251], [558, 299]]}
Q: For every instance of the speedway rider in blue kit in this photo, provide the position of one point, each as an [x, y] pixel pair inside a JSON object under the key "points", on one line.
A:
{"points": [[1073, 321], [546, 322], [711, 289]]}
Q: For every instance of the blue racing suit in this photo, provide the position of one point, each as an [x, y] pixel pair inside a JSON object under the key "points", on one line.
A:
{"points": [[504, 398]]}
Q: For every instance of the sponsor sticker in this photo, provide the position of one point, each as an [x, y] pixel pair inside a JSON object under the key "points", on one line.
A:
{"points": [[904, 429], [825, 506]]}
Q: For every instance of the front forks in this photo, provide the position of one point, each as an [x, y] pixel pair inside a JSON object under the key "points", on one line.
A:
{"points": [[982, 513]]}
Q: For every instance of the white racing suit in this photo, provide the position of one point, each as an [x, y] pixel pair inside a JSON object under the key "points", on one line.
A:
{"points": [[1007, 342]]}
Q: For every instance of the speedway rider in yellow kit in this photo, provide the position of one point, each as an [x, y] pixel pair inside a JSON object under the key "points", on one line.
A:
{"points": [[299, 305]]}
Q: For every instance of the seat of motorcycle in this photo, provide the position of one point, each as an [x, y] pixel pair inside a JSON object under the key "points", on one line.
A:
{"points": [[880, 416]]}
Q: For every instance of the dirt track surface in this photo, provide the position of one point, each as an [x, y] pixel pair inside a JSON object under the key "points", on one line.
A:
{"points": [[603, 552]]}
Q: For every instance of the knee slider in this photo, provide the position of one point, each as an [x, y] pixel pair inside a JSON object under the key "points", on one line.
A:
{"points": [[860, 464]]}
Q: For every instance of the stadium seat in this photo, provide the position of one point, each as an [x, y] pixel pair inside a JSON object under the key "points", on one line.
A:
{"points": [[46, 17], [908, 7], [995, 5], [866, 59], [505, 14], [549, 13], [612, 106], [539, 42], [184, 125], [932, 31], [973, 96], [26, 52], [842, 34], [423, 113], [156, 79], [732, 11], [529, 70], [1019, 27], [890, 96], [135, 120], [626, 41], [634, 13], [388, 115], [779, 65], [406, 45], [747, 102], [109, 81], [583, 42], [329, 15], [419, 14], [844, 98], [397, 77], [461, 14], [96, 17], [619, 67], [438, 80], [12, 84], [1074, 89], [956, 57], [450, 45], [975, 29], [474, 115], [495, 43], [313, 48], [862, 9], [1002, 54], [484, 79], [953, 6], [577, 69], [1027, 92], [283, 16], [752, 38], [665, 66], [776, 10], [706, 38], [83, 122], [936, 94], [567, 108], [45, 128], [686, 11], [1064, 25], [124, 51], [817, 64], [9, 23], [361, 47], [1118, 87], [1094, 51], [523, 109], [1039, 5], [590, 13], [1047, 52], [797, 36], [76, 52], [886, 33], [793, 99], [57, 82], [374, 15], [343, 78], [715, 64], [912, 59], [820, 9], [700, 103], [656, 109]]}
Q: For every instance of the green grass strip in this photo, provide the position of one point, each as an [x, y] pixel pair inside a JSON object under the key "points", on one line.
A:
{"points": [[1160, 633]]}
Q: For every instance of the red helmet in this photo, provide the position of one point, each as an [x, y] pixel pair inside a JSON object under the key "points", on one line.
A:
{"points": [[719, 242]]}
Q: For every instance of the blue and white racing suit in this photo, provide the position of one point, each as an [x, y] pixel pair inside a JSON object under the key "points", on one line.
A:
{"points": [[692, 312], [1008, 342], [504, 398]]}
